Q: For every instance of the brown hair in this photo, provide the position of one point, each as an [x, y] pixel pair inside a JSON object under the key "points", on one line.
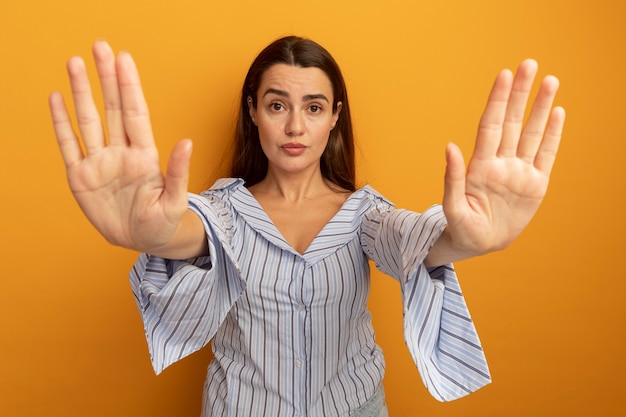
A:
{"points": [[337, 162]]}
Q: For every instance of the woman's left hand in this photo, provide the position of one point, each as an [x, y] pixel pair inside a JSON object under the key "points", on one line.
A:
{"points": [[489, 204]]}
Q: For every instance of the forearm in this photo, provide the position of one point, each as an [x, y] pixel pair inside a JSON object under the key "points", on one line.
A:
{"points": [[189, 240], [445, 251]]}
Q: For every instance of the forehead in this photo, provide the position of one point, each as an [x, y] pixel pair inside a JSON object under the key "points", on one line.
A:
{"points": [[297, 81]]}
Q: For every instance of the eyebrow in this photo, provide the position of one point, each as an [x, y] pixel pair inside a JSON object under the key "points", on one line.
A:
{"points": [[286, 94]]}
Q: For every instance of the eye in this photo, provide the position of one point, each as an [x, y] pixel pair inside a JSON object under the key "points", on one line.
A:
{"points": [[276, 106], [314, 108]]}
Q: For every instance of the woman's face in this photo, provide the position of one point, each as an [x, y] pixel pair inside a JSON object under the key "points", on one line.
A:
{"points": [[294, 114]]}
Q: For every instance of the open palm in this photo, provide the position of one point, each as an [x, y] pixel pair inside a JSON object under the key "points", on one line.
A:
{"points": [[490, 203], [118, 182]]}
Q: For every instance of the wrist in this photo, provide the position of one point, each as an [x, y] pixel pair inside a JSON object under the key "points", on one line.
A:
{"points": [[189, 240], [446, 250]]}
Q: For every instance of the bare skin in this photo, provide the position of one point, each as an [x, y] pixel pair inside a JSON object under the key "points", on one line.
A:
{"points": [[491, 202], [294, 115], [311, 213], [119, 185]]}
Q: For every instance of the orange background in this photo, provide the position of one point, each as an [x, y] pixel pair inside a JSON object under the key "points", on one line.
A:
{"points": [[550, 309]]}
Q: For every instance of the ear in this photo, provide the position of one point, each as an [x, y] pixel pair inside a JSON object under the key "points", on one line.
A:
{"points": [[336, 114], [251, 110]]}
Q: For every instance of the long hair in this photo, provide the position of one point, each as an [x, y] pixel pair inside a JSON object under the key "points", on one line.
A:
{"points": [[337, 162]]}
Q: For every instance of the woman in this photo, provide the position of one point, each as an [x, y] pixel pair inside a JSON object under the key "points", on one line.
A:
{"points": [[272, 265]]}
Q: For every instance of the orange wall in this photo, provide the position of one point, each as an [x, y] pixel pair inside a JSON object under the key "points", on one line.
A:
{"points": [[549, 310]]}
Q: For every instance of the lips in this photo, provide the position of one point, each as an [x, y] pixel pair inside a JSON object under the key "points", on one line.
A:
{"points": [[293, 149]]}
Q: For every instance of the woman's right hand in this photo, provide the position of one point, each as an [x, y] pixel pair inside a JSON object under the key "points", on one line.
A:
{"points": [[118, 182]]}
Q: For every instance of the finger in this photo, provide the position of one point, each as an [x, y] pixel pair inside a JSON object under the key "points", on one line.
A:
{"points": [[490, 126], [135, 113], [551, 140], [177, 173], [535, 127], [66, 138], [516, 107], [105, 64], [454, 185], [87, 117]]}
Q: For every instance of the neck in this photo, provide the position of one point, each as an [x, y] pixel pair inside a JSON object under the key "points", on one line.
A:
{"points": [[293, 187]]}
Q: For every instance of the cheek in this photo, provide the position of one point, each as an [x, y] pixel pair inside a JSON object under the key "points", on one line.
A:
{"points": [[265, 133], [322, 133], [267, 126], [266, 137]]}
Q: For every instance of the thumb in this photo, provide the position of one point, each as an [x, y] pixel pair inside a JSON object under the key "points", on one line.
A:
{"points": [[454, 185], [177, 174]]}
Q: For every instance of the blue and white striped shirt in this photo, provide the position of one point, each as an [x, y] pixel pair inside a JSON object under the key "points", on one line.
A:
{"points": [[292, 335]]}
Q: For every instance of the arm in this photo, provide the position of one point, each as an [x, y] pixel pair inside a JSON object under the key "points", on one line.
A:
{"points": [[489, 204], [118, 182], [189, 240], [438, 327]]}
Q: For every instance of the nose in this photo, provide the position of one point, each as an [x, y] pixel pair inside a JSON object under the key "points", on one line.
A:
{"points": [[295, 124]]}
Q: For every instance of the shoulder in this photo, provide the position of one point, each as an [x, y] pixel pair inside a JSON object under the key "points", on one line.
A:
{"points": [[223, 187], [362, 205], [222, 192], [368, 196], [216, 202]]}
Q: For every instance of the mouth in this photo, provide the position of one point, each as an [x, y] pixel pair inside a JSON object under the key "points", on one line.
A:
{"points": [[293, 149]]}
